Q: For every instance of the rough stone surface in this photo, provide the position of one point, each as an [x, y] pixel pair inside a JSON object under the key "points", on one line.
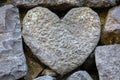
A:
{"points": [[108, 62], [111, 30], [63, 45], [80, 75], [61, 3], [12, 59], [100, 3], [45, 78], [66, 3], [48, 72]]}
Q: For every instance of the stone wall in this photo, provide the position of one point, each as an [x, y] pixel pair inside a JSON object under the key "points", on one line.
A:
{"points": [[59, 39]]}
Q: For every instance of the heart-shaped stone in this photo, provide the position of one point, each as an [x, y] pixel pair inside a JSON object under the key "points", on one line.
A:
{"points": [[62, 44]]}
